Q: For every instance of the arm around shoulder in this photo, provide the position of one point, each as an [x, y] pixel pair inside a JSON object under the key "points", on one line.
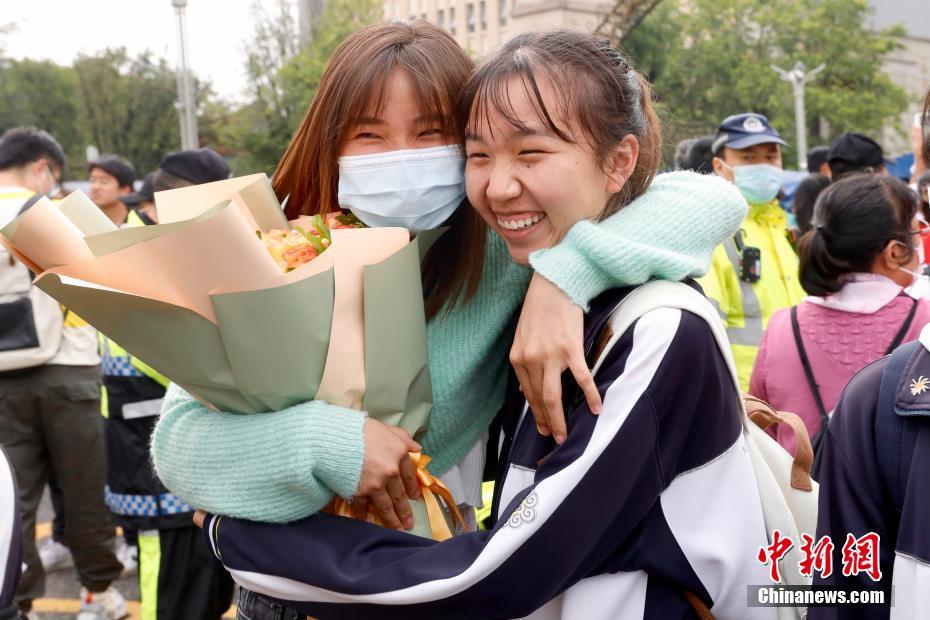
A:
{"points": [[669, 233]]}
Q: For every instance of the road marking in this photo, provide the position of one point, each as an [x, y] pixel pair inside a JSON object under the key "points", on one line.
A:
{"points": [[73, 605], [44, 530]]}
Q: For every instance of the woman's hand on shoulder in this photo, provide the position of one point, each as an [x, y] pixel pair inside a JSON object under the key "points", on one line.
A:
{"points": [[388, 477], [549, 340]]}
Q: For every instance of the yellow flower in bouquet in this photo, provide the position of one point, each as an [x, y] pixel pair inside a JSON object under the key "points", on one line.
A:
{"points": [[294, 247]]}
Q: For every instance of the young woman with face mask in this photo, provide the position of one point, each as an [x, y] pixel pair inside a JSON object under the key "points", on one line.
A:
{"points": [[862, 252], [560, 129], [380, 140]]}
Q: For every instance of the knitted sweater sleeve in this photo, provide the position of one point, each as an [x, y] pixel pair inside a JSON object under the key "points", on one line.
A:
{"points": [[275, 467], [668, 233]]}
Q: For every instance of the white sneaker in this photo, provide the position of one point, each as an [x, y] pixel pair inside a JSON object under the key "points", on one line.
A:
{"points": [[128, 556], [55, 556], [106, 605]]}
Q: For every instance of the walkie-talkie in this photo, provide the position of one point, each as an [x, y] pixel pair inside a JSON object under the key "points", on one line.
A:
{"points": [[750, 260]]}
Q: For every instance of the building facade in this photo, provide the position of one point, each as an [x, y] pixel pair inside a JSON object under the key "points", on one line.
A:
{"points": [[481, 26], [908, 66]]}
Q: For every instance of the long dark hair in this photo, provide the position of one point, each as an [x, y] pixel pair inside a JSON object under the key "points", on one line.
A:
{"points": [[805, 196], [854, 219], [599, 90], [355, 77]]}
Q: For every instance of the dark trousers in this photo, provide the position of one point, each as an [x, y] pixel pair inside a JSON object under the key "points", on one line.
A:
{"points": [[179, 577], [50, 422], [253, 606]]}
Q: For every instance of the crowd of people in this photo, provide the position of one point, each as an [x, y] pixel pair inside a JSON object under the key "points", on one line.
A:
{"points": [[78, 411], [623, 474]]}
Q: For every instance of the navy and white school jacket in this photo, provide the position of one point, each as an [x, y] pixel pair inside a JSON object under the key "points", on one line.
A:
{"points": [[652, 498], [875, 477], [11, 541]]}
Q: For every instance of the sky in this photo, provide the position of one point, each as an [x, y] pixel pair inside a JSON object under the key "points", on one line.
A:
{"points": [[217, 32]]}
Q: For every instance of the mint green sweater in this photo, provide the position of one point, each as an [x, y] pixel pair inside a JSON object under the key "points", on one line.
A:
{"points": [[286, 465]]}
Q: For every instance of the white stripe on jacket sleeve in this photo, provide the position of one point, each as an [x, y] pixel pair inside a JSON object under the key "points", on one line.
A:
{"points": [[653, 335]]}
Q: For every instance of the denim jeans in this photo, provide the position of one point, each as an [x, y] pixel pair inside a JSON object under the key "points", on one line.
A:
{"points": [[254, 606]]}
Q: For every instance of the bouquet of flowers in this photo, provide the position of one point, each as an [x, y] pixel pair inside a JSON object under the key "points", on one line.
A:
{"points": [[245, 310]]}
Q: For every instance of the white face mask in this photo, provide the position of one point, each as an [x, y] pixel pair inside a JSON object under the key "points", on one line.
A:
{"points": [[758, 183], [416, 189], [919, 249]]}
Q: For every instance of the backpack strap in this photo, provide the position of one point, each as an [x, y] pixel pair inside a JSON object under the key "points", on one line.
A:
{"points": [[764, 415], [899, 337], [29, 203], [26, 206], [664, 294], [808, 371], [702, 611]]}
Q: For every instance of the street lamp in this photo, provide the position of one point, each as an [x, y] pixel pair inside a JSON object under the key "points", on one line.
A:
{"points": [[186, 108], [799, 80]]}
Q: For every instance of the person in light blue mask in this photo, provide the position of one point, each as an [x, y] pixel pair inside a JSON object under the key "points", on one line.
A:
{"points": [[756, 272]]}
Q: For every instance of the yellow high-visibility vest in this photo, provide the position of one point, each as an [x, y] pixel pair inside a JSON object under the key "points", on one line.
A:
{"points": [[746, 307]]}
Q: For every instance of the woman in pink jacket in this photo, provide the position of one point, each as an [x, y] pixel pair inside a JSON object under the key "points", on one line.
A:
{"points": [[862, 252]]}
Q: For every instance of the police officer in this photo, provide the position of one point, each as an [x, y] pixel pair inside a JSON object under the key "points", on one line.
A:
{"points": [[755, 273]]}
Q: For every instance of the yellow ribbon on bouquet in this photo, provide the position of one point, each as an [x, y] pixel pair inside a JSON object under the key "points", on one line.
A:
{"points": [[431, 490]]}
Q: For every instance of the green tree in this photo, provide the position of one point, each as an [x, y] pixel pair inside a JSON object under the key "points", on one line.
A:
{"points": [[339, 19], [128, 105], [262, 127], [44, 95], [710, 58], [283, 78]]}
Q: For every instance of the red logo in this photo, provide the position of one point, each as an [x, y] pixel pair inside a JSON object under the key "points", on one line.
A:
{"points": [[817, 557], [860, 555], [773, 553]]}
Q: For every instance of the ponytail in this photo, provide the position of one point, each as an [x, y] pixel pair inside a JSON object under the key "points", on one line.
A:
{"points": [[854, 220], [821, 273]]}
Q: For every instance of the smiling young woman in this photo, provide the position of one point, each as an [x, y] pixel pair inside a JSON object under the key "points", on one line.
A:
{"points": [[529, 167], [387, 88]]}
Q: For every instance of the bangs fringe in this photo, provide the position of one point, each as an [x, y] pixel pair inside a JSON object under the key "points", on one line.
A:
{"points": [[429, 90], [493, 96]]}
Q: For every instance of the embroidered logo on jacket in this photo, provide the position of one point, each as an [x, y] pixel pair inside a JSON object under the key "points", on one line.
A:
{"points": [[919, 385], [525, 512]]}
